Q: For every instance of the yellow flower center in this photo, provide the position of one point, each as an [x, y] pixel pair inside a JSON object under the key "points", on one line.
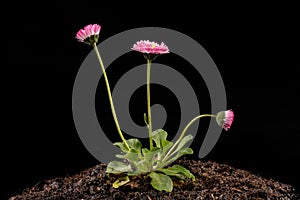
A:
{"points": [[153, 46]]}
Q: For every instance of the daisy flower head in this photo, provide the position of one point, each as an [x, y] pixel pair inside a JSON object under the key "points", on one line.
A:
{"points": [[150, 48], [225, 119], [89, 34]]}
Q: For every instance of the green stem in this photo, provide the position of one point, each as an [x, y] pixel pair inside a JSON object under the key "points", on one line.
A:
{"points": [[170, 153], [148, 103], [109, 96]]}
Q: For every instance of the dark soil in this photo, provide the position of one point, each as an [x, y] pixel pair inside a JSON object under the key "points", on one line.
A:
{"points": [[213, 181]]}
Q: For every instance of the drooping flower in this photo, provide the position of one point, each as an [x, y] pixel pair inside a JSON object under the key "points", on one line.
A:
{"points": [[89, 34], [147, 47], [225, 119]]}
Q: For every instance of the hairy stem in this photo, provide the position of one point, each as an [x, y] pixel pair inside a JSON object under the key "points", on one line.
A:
{"points": [[170, 152], [148, 103], [110, 97]]}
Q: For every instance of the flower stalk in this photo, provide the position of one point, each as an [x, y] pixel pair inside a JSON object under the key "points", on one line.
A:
{"points": [[149, 104], [109, 96], [89, 35], [150, 50], [170, 152]]}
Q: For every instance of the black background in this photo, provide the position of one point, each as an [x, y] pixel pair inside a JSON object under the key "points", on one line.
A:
{"points": [[254, 46]]}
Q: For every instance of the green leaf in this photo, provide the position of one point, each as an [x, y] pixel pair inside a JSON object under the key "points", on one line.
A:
{"points": [[161, 182], [180, 153], [166, 145], [121, 181], [180, 150], [159, 135], [116, 167], [183, 142], [178, 171], [132, 143], [149, 155], [160, 138], [135, 144], [143, 166], [133, 155], [122, 146], [184, 151], [149, 159]]}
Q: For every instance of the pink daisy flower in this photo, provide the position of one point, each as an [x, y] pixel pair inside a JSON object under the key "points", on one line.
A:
{"points": [[147, 47], [89, 34], [225, 119]]}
